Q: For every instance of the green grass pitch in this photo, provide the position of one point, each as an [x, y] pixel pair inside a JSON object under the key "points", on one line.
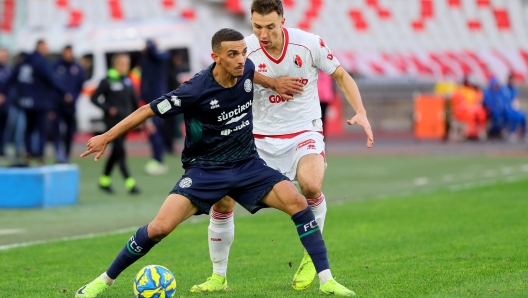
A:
{"points": [[394, 229]]}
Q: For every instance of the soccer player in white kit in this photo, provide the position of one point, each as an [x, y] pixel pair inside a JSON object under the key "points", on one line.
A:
{"points": [[288, 129]]}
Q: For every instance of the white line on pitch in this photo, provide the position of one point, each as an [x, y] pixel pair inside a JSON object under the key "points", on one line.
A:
{"points": [[421, 181], [12, 231]]}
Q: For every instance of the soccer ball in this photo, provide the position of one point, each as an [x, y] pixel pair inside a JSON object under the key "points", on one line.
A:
{"points": [[154, 281]]}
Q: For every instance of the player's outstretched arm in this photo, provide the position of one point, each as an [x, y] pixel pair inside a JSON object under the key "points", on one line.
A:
{"points": [[348, 86], [285, 86], [98, 143]]}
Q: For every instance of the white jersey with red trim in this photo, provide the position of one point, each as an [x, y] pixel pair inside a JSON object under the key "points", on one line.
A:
{"points": [[302, 56]]}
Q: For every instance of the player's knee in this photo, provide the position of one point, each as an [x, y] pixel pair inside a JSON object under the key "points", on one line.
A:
{"points": [[224, 205], [312, 189], [159, 230], [296, 203]]}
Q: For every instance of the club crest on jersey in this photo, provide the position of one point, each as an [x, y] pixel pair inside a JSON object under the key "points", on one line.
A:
{"points": [[297, 61], [214, 104], [248, 85], [262, 68], [175, 101], [185, 182]]}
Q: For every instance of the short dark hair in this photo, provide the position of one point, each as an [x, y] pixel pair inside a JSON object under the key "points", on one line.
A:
{"points": [[265, 7], [39, 42], [225, 34], [67, 47]]}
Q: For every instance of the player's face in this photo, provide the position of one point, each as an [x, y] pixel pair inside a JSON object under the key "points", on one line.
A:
{"points": [[67, 55], [122, 65], [268, 28], [232, 57]]}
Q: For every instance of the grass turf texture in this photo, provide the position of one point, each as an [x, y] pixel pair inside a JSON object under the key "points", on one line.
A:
{"points": [[467, 243]]}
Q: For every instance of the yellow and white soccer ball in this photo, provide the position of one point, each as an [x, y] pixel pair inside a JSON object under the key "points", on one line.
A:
{"points": [[154, 281]]}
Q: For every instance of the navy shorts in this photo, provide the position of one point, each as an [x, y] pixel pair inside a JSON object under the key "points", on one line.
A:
{"points": [[247, 182]]}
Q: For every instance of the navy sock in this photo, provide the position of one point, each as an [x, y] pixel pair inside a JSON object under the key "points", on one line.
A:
{"points": [[136, 247], [311, 238]]}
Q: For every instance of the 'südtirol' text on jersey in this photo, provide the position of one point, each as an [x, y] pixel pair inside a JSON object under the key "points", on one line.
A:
{"points": [[303, 55], [218, 120]]}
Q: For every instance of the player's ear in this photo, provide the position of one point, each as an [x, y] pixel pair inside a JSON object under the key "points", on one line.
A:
{"points": [[215, 57], [282, 22]]}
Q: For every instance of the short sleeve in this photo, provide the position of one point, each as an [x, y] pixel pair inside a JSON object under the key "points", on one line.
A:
{"points": [[175, 102], [323, 57]]}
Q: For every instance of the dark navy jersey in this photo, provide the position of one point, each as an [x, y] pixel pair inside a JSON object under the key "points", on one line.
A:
{"points": [[218, 120]]}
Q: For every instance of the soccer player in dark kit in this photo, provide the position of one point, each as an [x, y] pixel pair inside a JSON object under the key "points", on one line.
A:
{"points": [[219, 159]]}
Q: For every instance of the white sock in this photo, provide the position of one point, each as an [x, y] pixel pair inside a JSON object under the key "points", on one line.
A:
{"points": [[221, 235], [319, 209], [107, 279], [324, 276]]}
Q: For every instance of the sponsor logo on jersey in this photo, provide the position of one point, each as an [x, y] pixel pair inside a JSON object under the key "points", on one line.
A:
{"points": [[238, 111], [185, 182], [242, 125], [216, 239], [214, 104], [236, 119], [322, 43], [303, 81], [248, 85], [297, 61], [278, 99], [311, 147], [175, 101], [262, 68], [164, 106], [306, 143], [330, 56]]}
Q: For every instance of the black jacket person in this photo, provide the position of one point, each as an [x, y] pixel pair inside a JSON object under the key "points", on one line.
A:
{"points": [[115, 96]]}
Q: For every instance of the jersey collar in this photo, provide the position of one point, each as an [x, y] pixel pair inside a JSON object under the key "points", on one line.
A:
{"points": [[284, 48]]}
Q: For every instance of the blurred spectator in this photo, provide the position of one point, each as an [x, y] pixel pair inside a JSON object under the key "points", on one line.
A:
{"points": [[5, 73], [153, 85], [16, 120], [71, 75], [466, 106], [325, 86], [35, 83], [115, 95], [515, 116], [171, 125], [495, 99]]}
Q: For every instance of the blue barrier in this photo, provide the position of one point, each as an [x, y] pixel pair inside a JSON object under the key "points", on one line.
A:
{"points": [[39, 187]]}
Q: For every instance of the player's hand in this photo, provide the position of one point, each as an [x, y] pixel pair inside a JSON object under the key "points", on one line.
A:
{"points": [[96, 144], [361, 119], [287, 86], [2, 99]]}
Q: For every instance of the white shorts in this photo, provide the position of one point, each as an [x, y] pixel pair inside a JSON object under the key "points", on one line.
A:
{"points": [[284, 152]]}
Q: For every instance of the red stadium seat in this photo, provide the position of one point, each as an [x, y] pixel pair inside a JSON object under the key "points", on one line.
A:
{"points": [[474, 25], [169, 4], [8, 14], [454, 3], [61, 3], [502, 19], [115, 10], [288, 3], [483, 3], [234, 6], [427, 9]]}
